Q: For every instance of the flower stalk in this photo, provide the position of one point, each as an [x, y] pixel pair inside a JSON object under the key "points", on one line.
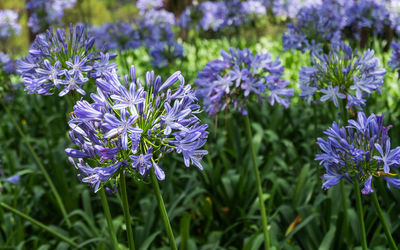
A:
{"points": [[258, 182], [125, 207], [107, 213], [163, 211]]}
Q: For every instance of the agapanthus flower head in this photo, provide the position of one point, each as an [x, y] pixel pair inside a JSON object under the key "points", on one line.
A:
{"points": [[116, 36], [342, 74], [366, 14], [240, 75], [131, 125], [9, 23], [360, 150], [315, 26], [60, 61]]}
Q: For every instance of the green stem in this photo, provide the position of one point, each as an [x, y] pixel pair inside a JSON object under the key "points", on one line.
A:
{"points": [[107, 212], [40, 165], [39, 224], [258, 180], [344, 206], [383, 222], [163, 211], [124, 198], [360, 214]]}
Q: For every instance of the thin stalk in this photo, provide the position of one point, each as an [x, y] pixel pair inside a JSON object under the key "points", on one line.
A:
{"points": [[344, 206], [360, 214], [124, 198], [107, 212], [389, 237], [38, 223], [163, 211], [258, 182], [40, 165]]}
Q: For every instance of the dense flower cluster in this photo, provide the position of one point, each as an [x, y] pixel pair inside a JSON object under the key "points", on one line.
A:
{"points": [[227, 83], [46, 13], [361, 150], [132, 125], [342, 74], [116, 36], [366, 14], [57, 60], [7, 64], [216, 16], [9, 23], [315, 27]]}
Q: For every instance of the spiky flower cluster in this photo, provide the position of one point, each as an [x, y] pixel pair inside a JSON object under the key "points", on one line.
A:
{"points": [[315, 26], [131, 126], [361, 150], [229, 82], [342, 74], [56, 61]]}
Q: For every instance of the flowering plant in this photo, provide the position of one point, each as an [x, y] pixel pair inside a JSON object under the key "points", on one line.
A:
{"points": [[342, 74], [131, 126], [56, 60], [239, 76], [361, 150]]}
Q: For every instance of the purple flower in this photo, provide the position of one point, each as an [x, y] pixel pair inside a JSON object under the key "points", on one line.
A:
{"points": [[56, 59], [136, 123], [121, 126], [9, 23], [239, 76], [342, 71], [358, 151], [388, 158], [15, 179]]}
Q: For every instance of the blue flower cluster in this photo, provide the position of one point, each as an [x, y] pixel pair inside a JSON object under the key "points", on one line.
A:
{"points": [[239, 75], [315, 26], [46, 13], [9, 23], [57, 60], [361, 150], [216, 16], [131, 126], [366, 14], [342, 74]]}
